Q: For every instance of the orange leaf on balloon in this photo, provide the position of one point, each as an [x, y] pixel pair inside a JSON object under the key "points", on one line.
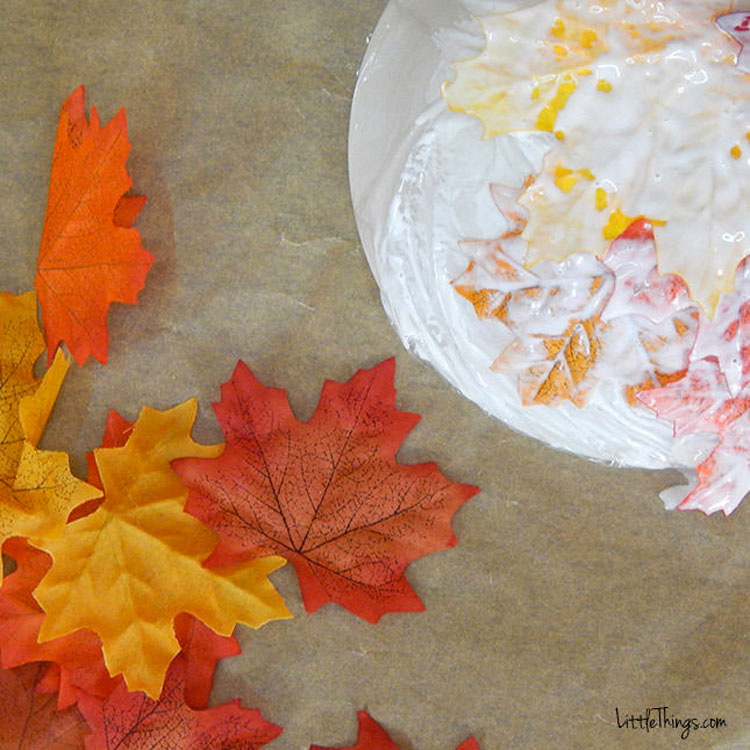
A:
{"points": [[90, 255]]}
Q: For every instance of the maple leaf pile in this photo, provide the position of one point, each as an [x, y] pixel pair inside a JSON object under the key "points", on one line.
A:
{"points": [[577, 322], [126, 588]]}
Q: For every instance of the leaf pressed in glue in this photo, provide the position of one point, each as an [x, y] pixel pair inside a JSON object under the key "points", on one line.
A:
{"points": [[702, 403], [651, 321], [129, 568], [133, 721], [90, 255], [581, 320], [326, 494], [553, 310], [37, 490], [30, 720], [727, 336], [603, 88]]}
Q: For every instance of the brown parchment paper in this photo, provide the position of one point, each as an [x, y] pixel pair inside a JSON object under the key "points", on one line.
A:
{"points": [[572, 592]]}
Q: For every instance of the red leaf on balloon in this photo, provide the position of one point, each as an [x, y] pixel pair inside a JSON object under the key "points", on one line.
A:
{"points": [[702, 402]]}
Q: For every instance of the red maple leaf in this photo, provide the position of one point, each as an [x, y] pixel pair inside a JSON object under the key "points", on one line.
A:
{"points": [[470, 744], [132, 721], [31, 721], [201, 650], [371, 736], [326, 494], [78, 656], [90, 255]]}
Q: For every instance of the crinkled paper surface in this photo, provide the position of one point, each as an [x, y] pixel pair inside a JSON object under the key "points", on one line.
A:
{"points": [[571, 590]]}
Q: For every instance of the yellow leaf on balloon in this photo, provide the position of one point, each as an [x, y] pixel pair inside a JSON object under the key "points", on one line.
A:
{"points": [[128, 569]]}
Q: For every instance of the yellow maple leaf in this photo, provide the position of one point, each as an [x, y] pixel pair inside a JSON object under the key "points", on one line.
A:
{"points": [[127, 570], [37, 490]]}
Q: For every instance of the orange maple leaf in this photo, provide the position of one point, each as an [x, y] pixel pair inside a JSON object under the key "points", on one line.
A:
{"points": [[327, 494], [90, 255]]}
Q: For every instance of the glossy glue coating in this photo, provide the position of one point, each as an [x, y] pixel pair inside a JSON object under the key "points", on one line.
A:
{"points": [[421, 177]]}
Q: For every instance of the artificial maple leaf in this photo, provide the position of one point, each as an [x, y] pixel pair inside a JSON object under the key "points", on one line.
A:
{"points": [[37, 490], [200, 650], [129, 568], [200, 646], [29, 720], [370, 736], [326, 494], [133, 721], [77, 657], [702, 403], [90, 256], [116, 433]]}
